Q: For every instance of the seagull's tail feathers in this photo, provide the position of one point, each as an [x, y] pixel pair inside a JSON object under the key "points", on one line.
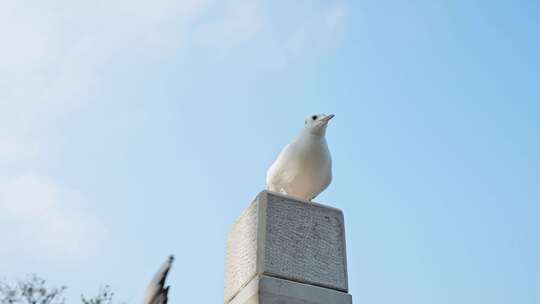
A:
{"points": [[157, 292]]}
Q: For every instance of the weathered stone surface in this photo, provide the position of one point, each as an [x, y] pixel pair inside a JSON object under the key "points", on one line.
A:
{"points": [[269, 290], [289, 239], [241, 259], [305, 243]]}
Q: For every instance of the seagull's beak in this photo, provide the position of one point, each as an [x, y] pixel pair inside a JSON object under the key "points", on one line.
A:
{"points": [[327, 118]]}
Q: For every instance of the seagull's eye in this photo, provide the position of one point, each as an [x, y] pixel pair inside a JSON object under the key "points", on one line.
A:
{"points": [[314, 117]]}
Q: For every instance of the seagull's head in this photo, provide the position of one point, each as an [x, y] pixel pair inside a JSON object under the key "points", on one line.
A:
{"points": [[316, 123]]}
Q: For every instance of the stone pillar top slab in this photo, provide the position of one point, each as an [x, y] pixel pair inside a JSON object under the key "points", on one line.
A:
{"points": [[286, 238]]}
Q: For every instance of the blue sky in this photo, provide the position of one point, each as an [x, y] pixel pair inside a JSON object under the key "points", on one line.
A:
{"points": [[130, 130]]}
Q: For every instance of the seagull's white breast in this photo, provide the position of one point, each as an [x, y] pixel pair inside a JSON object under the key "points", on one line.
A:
{"points": [[303, 169]]}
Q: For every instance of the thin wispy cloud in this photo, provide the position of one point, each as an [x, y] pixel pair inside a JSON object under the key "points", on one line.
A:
{"points": [[55, 60], [44, 219], [239, 21], [319, 30]]}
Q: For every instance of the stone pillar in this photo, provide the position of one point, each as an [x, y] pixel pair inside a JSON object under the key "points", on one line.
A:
{"points": [[286, 251]]}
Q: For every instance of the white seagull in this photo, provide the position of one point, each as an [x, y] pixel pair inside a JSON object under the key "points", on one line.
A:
{"points": [[303, 169], [157, 293]]}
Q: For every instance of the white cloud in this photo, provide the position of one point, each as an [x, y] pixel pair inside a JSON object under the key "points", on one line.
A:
{"points": [[43, 219], [319, 30], [12, 149], [56, 58], [27, 35], [239, 21], [55, 62], [335, 16]]}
